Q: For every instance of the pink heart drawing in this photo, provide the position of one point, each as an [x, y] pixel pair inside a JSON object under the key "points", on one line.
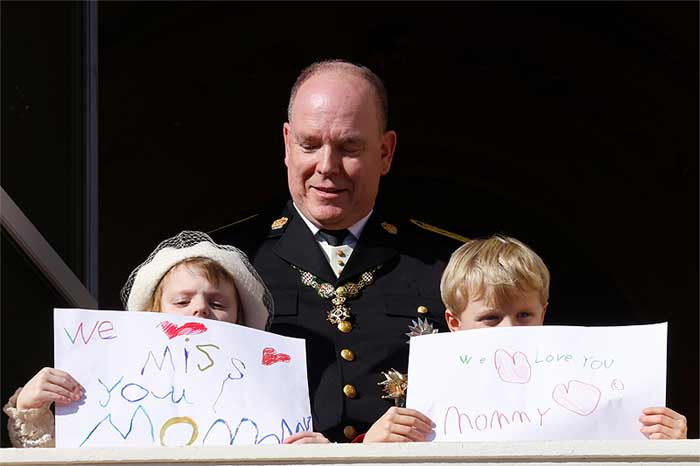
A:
{"points": [[578, 397], [189, 328], [512, 368], [270, 356]]}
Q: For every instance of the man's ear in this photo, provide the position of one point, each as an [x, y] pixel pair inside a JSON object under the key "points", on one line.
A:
{"points": [[452, 320], [285, 134], [387, 150]]}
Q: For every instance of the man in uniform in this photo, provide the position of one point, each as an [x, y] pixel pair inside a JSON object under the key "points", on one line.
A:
{"points": [[344, 276]]}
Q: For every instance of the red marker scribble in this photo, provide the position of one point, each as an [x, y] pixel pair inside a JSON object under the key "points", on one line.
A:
{"points": [[576, 396], [190, 328], [270, 356]]}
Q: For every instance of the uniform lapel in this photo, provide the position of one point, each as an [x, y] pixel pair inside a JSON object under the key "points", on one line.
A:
{"points": [[375, 246], [298, 246]]}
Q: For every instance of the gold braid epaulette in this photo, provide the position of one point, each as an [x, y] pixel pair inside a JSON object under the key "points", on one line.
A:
{"points": [[439, 231]]}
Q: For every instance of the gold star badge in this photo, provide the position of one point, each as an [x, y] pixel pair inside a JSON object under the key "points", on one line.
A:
{"points": [[394, 386], [390, 228], [279, 223]]}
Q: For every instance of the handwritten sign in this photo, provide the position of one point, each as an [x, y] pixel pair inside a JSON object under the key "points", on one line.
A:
{"points": [[532, 383], [162, 379]]}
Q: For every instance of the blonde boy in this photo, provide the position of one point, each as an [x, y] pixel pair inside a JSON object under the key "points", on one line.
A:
{"points": [[499, 282], [494, 282]]}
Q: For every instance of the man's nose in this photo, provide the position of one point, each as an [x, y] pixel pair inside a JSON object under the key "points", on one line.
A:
{"points": [[329, 162]]}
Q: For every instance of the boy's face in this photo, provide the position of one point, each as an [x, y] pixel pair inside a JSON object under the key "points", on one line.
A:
{"points": [[187, 292], [524, 309]]}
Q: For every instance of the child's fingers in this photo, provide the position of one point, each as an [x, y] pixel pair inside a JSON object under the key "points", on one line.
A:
{"points": [[657, 419], [61, 383], [668, 418], [663, 410], [416, 414], [649, 431], [63, 379], [306, 437], [59, 390], [48, 396], [408, 432], [413, 422]]}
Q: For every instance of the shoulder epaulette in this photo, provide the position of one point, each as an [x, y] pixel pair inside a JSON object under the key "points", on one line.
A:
{"points": [[233, 223], [278, 226], [439, 231]]}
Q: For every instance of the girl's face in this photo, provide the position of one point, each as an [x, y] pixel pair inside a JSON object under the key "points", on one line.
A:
{"points": [[187, 292]]}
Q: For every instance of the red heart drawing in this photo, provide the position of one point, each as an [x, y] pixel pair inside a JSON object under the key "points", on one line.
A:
{"points": [[270, 357], [190, 328], [578, 397], [512, 368]]}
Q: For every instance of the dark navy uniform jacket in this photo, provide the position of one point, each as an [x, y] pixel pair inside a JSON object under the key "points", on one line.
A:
{"points": [[412, 260]]}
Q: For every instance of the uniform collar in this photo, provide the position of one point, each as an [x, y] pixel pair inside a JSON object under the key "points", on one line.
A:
{"points": [[355, 229], [297, 246], [375, 247]]}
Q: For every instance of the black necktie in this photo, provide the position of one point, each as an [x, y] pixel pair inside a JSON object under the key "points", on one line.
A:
{"points": [[334, 237]]}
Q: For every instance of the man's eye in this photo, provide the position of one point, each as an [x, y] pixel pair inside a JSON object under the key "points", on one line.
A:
{"points": [[351, 149], [216, 305], [306, 147]]}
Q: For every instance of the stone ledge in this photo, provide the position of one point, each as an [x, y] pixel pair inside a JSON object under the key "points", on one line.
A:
{"points": [[559, 452]]}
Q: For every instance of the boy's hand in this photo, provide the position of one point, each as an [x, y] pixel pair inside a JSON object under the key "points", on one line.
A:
{"points": [[663, 423], [400, 425], [49, 385], [306, 437]]}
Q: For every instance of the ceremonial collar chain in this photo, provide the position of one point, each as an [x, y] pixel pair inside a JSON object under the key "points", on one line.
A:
{"points": [[340, 312]]}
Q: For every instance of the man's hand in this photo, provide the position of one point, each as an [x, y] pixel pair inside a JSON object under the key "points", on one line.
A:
{"points": [[306, 437], [663, 423], [400, 425], [49, 385]]}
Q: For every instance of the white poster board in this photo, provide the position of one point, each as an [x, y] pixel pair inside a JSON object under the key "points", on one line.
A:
{"points": [[161, 379], [538, 383]]}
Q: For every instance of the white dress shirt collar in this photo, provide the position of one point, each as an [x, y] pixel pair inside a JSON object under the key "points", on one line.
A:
{"points": [[355, 229]]}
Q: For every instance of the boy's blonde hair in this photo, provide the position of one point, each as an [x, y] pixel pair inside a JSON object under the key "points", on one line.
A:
{"points": [[207, 268], [497, 269]]}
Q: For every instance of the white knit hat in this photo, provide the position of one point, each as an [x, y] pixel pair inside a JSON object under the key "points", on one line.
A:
{"points": [[256, 299]]}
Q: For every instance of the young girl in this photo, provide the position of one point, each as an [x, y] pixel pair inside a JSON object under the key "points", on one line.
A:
{"points": [[187, 275]]}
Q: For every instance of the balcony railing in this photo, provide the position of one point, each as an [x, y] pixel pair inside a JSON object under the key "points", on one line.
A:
{"points": [[680, 452]]}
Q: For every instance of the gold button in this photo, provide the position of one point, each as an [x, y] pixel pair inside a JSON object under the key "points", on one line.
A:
{"points": [[340, 262], [349, 391], [349, 432], [422, 310], [341, 253], [345, 326], [347, 354]]}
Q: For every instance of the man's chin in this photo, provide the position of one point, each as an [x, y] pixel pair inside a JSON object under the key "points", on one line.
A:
{"points": [[330, 217]]}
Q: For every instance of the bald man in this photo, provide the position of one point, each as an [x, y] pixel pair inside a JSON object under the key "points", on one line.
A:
{"points": [[345, 275]]}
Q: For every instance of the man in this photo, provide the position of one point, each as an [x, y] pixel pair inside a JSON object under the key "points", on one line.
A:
{"points": [[344, 276]]}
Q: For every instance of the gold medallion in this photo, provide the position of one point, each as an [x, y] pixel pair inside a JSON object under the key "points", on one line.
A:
{"points": [[339, 315]]}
